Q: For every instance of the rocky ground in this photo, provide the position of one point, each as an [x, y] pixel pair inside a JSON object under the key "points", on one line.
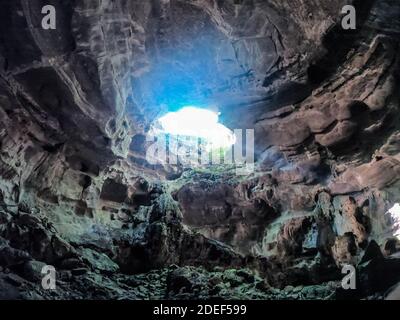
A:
{"points": [[29, 242]]}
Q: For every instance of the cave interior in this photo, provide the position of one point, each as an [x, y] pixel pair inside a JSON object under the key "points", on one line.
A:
{"points": [[83, 103]]}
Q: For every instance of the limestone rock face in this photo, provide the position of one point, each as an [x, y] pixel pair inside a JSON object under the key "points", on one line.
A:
{"points": [[78, 192]]}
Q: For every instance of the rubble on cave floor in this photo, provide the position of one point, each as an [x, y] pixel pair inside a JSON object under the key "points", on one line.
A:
{"points": [[186, 283], [173, 283], [88, 273]]}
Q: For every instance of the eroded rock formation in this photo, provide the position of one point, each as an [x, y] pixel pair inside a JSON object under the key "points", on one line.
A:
{"points": [[76, 189]]}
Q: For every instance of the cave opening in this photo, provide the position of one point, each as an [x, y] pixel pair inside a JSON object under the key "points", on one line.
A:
{"points": [[191, 137], [196, 123], [395, 216]]}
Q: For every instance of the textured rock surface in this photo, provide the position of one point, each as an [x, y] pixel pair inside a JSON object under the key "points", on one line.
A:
{"points": [[76, 190]]}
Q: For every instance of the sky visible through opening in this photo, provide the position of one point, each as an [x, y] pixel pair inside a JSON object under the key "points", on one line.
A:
{"points": [[395, 214], [198, 123]]}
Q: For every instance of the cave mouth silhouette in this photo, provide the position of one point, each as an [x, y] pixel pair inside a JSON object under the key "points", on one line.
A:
{"points": [[198, 123]]}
